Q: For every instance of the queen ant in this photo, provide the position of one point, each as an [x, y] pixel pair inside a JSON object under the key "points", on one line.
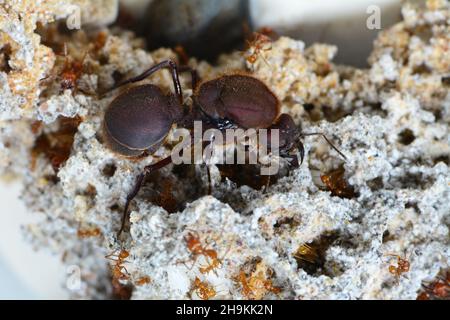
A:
{"points": [[137, 122]]}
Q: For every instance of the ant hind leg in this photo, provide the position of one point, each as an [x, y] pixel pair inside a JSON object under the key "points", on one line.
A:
{"points": [[130, 197], [164, 64], [139, 181]]}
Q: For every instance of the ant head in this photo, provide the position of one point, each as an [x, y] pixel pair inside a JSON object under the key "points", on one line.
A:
{"points": [[289, 133]]}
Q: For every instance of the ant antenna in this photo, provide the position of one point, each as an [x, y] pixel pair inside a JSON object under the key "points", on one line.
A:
{"points": [[326, 139]]}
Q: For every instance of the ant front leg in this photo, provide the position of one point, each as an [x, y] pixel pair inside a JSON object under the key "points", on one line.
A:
{"points": [[164, 64], [130, 196], [195, 79], [138, 185]]}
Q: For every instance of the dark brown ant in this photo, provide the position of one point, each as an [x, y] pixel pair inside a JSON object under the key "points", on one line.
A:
{"points": [[139, 119]]}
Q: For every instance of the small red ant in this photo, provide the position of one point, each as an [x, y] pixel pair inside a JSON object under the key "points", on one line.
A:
{"points": [[143, 280], [118, 268], [204, 290], [196, 248], [214, 264], [71, 72], [402, 267], [335, 182], [88, 233], [260, 42], [257, 285], [120, 273]]}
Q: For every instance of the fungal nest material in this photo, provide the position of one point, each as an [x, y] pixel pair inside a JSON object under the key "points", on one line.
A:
{"points": [[306, 237]]}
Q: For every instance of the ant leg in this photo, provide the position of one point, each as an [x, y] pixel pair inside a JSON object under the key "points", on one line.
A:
{"points": [[139, 180], [292, 159], [123, 268], [164, 64], [130, 196], [326, 139], [301, 149], [266, 187], [194, 75], [209, 180], [111, 256]]}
